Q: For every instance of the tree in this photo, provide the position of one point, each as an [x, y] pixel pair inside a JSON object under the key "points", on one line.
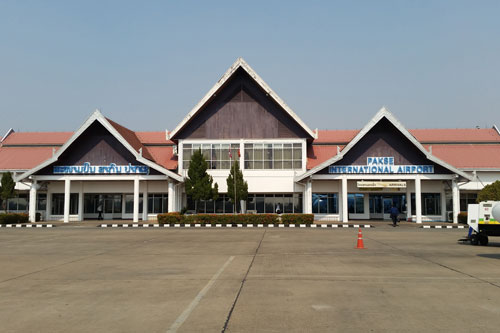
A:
{"points": [[241, 185], [490, 192], [199, 183], [7, 188]]}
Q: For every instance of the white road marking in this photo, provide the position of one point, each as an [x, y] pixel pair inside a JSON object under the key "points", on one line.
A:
{"points": [[185, 314]]}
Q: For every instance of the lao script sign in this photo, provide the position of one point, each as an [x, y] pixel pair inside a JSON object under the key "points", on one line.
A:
{"points": [[112, 168], [384, 165]]}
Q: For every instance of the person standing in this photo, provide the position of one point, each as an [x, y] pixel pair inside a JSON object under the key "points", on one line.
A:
{"points": [[394, 215], [99, 211]]}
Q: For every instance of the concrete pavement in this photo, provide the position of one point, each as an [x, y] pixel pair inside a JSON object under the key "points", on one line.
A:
{"points": [[293, 280]]}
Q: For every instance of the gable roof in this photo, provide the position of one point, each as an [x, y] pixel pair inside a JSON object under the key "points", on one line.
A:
{"points": [[382, 113], [240, 63], [122, 134]]}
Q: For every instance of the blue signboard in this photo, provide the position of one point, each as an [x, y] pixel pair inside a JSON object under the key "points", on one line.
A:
{"points": [[380, 165], [112, 169]]}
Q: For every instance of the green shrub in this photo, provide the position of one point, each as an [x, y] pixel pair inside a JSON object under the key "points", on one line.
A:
{"points": [[170, 218], [14, 218], [462, 217], [214, 219], [297, 218]]}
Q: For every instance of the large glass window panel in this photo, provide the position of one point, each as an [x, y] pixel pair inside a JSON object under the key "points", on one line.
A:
{"points": [[297, 202], [269, 203], [41, 201], [259, 202], [287, 203], [332, 203]]}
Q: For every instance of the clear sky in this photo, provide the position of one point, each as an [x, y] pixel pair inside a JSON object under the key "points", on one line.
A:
{"points": [[145, 64]]}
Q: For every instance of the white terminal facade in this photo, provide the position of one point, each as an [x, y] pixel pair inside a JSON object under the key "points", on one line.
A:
{"points": [[336, 175]]}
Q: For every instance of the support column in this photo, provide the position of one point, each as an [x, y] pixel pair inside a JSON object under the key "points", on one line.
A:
{"points": [[345, 209], [456, 200], [145, 201], [308, 197], [32, 207], [67, 192], [171, 196], [136, 200], [443, 203], [80, 202], [408, 203], [48, 207], [418, 200]]}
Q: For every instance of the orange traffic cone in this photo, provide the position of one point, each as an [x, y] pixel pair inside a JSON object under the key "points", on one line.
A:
{"points": [[360, 240]]}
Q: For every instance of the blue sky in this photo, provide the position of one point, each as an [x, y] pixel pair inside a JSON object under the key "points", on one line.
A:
{"points": [[145, 64]]}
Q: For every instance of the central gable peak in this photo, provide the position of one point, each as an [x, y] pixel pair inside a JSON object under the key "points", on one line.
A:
{"points": [[241, 105]]}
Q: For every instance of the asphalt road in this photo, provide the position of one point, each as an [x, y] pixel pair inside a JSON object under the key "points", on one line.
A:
{"points": [[246, 280]]}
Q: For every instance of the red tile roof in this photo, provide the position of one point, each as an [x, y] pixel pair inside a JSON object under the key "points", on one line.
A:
{"points": [[37, 138], [164, 156], [23, 158], [469, 155], [148, 138], [131, 138], [335, 136], [319, 154], [466, 135]]}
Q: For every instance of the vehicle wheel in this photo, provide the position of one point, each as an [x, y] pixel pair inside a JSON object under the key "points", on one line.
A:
{"points": [[473, 239], [483, 240]]}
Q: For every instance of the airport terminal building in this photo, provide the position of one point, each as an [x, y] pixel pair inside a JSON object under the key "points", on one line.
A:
{"points": [[338, 175]]}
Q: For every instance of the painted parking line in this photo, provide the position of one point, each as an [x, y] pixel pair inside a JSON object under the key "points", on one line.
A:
{"points": [[185, 314]]}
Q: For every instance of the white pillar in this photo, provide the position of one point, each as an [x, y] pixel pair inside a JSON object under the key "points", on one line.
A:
{"points": [[443, 203], [456, 200], [136, 200], [345, 208], [418, 200], [308, 197], [408, 202], [67, 192], [32, 207], [48, 208], [80, 202], [171, 196], [145, 201]]}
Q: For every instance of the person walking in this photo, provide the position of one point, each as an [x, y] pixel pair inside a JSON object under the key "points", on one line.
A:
{"points": [[394, 215]]}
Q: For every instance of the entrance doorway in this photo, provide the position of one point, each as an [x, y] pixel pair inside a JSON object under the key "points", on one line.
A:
{"points": [[381, 204], [111, 206]]}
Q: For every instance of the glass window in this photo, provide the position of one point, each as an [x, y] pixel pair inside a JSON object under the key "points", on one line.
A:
{"points": [[273, 156], [216, 155], [324, 203], [41, 201], [157, 203], [467, 198], [129, 204], [356, 203], [431, 204], [58, 203]]}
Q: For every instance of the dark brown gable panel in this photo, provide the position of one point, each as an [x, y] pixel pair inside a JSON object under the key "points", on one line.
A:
{"points": [[384, 139], [241, 109], [96, 146]]}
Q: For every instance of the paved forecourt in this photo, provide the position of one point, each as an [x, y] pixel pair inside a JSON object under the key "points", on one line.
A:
{"points": [[239, 280]]}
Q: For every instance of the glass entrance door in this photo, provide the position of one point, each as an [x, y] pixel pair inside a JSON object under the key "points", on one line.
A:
{"points": [[381, 204], [112, 206]]}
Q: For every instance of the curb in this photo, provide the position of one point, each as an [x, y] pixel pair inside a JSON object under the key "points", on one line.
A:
{"points": [[182, 225], [443, 227], [27, 226]]}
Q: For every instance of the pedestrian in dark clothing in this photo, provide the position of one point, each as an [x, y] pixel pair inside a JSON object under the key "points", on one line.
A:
{"points": [[394, 215]]}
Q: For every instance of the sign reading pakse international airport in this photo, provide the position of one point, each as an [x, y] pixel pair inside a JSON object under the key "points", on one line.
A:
{"points": [[112, 168], [380, 165]]}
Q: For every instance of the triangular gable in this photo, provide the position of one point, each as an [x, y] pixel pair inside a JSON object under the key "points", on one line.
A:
{"points": [[114, 129], [240, 64], [382, 114]]}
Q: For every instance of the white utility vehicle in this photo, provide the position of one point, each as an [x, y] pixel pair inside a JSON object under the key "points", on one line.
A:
{"points": [[483, 220]]}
